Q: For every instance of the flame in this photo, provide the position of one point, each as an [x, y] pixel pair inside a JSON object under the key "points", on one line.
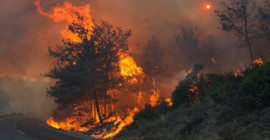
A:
{"points": [[258, 61], [122, 123], [67, 124], [214, 61], [70, 14], [155, 96], [169, 101], [128, 66], [238, 72]]}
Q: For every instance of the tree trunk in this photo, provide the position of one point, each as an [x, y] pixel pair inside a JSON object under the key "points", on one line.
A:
{"points": [[97, 107], [105, 103], [247, 32]]}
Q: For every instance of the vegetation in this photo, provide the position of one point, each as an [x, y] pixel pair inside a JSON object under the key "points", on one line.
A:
{"points": [[255, 88], [224, 102]]}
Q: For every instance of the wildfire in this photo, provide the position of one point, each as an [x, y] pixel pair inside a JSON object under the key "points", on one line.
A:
{"points": [[80, 121], [258, 61]]}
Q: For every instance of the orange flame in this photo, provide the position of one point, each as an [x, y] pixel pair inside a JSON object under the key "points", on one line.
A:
{"points": [[128, 66], [69, 13], [169, 101]]}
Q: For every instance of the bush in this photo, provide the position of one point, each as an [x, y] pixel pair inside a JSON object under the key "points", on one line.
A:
{"points": [[255, 88], [222, 86], [181, 93]]}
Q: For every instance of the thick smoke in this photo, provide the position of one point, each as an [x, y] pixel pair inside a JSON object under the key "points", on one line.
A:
{"points": [[184, 33], [24, 96]]}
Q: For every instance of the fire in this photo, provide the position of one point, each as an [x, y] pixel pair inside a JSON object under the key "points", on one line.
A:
{"points": [[238, 72], [69, 14], [128, 66], [258, 61], [155, 96], [169, 101], [83, 121], [214, 61], [122, 123], [67, 124]]}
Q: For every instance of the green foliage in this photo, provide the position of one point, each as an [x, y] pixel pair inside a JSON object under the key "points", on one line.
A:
{"points": [[182, 93], [222, 86], [255, 88]]}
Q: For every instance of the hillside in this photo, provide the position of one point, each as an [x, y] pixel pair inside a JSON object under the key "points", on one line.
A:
{"points": [[232, 106]]}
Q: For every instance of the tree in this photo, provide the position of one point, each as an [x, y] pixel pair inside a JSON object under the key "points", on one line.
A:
{"points": [[153, 56], [188, 43], [239, 18], [88, 68]]}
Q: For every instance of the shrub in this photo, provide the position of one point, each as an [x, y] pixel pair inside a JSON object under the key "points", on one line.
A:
{"points": [[181, 93], [150, 112], [222, 86], [255, 88]]}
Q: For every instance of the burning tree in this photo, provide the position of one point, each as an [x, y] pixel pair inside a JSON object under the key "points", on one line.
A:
{"points": [[89, 68], [96, 79]]}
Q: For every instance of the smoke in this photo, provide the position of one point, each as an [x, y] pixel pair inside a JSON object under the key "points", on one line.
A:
{"points": [[4, 101], [23, 96], [26, 35]]}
